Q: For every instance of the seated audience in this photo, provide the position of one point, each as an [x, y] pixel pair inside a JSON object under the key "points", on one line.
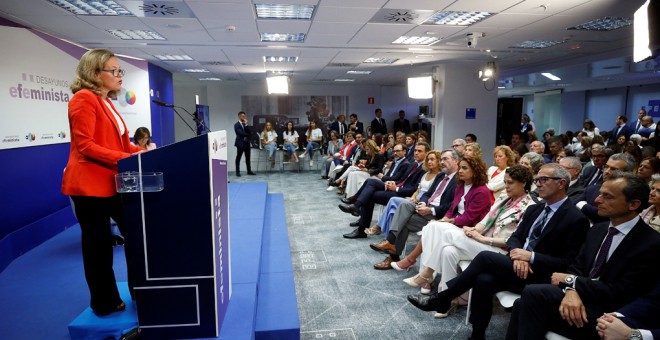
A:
{"points": [[648, 167], [651, 215], [269, 142], [334, 146], [443, 245], [290, 137], [142, 138], [314, 138], [642, 314], [474, 150]]}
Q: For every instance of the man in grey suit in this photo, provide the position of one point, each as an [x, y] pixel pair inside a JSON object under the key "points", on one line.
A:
{"points": [[411, 217]]}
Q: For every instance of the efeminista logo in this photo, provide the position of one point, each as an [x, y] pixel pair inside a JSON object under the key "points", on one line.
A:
{"points": [[126, 97]]}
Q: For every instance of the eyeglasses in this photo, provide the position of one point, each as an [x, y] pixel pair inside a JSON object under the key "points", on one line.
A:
{"points": [[544, 179], [116, 71]]}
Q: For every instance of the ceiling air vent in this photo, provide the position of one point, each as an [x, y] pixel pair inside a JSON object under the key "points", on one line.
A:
{"points": [[213, 63], [342, 65], [159, 9], [401, 16]]}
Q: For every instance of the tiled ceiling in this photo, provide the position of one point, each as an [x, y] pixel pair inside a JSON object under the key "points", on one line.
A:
{"points": [[223, 36]]}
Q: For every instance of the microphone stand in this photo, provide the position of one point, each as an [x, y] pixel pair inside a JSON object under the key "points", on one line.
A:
{"points": [[184, 121], [194, 117]]}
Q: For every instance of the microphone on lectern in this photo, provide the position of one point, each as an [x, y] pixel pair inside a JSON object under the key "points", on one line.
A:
{"points": [[159, 103]]}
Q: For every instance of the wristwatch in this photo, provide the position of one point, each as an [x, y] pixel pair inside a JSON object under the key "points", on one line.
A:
{"points": [[569, 283], [635, 334]]}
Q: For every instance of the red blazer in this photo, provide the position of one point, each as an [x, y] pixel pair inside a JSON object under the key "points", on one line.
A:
{"points": [[96, 146], [477, 205]]}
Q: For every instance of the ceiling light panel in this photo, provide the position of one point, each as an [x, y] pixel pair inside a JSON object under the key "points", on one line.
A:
{"points": [[136, 35], [210, 79], [284, 12], [279, 59], [282, 37], [196, 70], [457, 18], [603, 24], [172, 57], [359, 72], [550, 76], [407, 40], [92, 7], [345, 80], [380, 60], [536, 44]]}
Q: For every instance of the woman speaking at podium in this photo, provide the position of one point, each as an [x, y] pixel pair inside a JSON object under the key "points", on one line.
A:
{"points": [[99, 138]]}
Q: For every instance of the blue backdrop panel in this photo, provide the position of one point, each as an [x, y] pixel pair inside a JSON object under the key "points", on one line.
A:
{"points": [[177, 244]]}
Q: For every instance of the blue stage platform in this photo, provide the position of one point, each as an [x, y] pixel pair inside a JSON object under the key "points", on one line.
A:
{"points": [[263, 303]]}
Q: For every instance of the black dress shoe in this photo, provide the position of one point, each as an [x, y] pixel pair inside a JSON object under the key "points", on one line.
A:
{"points": [[357, 233], [347, 200], [429, 303], [355, 224], [251, 173], [238, 174], [350, 209]]}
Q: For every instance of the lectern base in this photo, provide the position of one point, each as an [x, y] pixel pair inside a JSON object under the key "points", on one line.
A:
{"points": [[90, 326]]}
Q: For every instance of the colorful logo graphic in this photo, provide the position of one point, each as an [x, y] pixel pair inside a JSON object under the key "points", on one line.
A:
{"points": [[130, 97], [30, 137], [62, 134]]}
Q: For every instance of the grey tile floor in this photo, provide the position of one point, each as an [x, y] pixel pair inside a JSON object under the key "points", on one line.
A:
{"points": [[340, 295]]}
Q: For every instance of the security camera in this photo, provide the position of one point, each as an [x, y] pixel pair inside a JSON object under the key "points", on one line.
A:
{"points": [[473, 38]]}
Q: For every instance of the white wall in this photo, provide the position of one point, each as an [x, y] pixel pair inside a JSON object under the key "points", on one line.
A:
{"points": [[458, 89]]}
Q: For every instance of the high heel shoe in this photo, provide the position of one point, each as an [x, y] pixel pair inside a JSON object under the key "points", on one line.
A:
{"points": [[374, 230], [452, 308], [404, 264], [417, 280]]}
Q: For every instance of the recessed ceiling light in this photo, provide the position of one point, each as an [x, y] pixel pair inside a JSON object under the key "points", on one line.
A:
{"points": [[423, 56], [93, 7], [284, 12], [412, 40], [538, 43], [210, 79], [275, 59], [457, 18], [550, 76], [380, 60], [279, 72], [603, 24], [282, 37], [171, 57], [346, 80], [196, 70], [359, 72], [136, 35]]}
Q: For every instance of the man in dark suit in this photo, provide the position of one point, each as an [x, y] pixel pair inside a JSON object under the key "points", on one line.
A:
{"points": [[421, 124], [242, 143], [410, 217], [587, 201], [593, 174], [637, 124], [547, 240], [374, 191], [339, 126], [378, 125], [620, 129], [402, 124], [574, 167], [410, 143], [639, 318], [617, 263], [354, 125]]}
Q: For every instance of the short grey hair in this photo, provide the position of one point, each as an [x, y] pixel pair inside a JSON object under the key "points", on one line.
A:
{"points": [[454, 155], [559, 171], [573, 162], [460, 141], [631, 164], [535, 160]]}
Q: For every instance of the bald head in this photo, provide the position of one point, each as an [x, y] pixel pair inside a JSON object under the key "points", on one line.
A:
{"points": [[537, 146]]}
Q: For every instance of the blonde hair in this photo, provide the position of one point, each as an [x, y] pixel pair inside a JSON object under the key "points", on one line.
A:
{"points": [[87, 72]]}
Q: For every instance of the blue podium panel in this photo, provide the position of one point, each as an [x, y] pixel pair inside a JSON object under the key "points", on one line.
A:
{"points": [[177, 239]]}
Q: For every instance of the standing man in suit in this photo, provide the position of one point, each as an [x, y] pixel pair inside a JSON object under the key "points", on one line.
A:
{"points": [[339, 126], [243, 132], [637, 124], [636, 320], [374, 191], [355, 125], [620, 129], [402, 124], [378, 125], [547, 240], [421, 124], [412, 218], [617, 263]]}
